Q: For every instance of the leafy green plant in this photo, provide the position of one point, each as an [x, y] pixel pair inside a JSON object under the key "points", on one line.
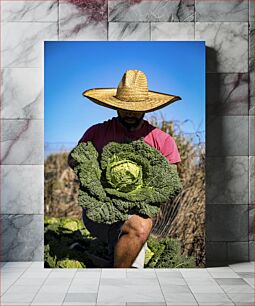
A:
{"points": [[74, 248], [126, 177]]}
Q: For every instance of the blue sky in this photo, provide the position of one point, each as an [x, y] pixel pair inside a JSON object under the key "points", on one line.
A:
{"points": [[71, 67]]}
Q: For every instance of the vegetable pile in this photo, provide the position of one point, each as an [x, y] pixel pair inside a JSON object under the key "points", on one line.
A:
{"points": [[127, 178]]}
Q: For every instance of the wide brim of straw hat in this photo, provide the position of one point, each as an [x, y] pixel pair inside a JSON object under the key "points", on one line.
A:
{"points": [[106, 97]]}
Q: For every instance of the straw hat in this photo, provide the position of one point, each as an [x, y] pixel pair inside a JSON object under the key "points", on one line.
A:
{"points": [[131, 94]]}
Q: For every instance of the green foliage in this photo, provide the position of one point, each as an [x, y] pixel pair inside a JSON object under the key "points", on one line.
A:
{"points": [[69, 248], [131, 176], [167, 254]]}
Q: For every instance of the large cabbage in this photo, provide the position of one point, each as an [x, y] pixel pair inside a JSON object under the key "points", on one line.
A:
{"points": [[127, 178]]}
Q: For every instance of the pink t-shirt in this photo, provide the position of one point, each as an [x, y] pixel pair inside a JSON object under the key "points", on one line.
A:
{"points": [[112, 130]]}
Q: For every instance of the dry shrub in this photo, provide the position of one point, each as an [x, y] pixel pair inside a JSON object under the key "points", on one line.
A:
{"points": [[184, 217], [60, 188]]}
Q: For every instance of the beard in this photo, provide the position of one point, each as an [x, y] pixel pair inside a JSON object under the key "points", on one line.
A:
{"points": [[130, 123]]}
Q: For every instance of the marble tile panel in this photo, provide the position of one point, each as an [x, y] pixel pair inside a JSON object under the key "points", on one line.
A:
{"points": [[128, 31], [251, 135], [151, 10], [208, 298], [251, 68], [238, 251], [49, 299], [22, 142], [251, 93], [242, 299], [242, 267], [180, 299], [172, 31], [23, 10], [22, 189], [215, 252], [22, 93], [83, 20], [227, 135], [251, 180], [23, 43], [22, 237], [81, 297], [234, 10], [251, 222], [251, 250], [227, 94], [129, 291], [227, 180], [251, 10], [222, 272], [227, 223], [227, 42]]}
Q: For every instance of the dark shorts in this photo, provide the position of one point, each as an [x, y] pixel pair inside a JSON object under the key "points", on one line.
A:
{"points": [[110, 233], [107, 233]]}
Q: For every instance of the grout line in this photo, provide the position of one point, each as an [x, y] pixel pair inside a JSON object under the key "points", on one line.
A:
{"points": [[69, 285], [15, 280], [160, 286], [98, 286]]}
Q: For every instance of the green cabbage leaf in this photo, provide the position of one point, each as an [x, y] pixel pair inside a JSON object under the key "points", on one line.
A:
{"points": [[126, 178]]}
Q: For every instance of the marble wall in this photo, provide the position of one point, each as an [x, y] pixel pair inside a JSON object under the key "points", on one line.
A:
{"points": [[228, 29]]}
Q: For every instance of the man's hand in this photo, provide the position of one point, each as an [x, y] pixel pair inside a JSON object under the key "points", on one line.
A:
{"points": [[71, 162]]}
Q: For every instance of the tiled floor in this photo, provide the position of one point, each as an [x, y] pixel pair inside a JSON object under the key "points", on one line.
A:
{"points": [[28, 283]]}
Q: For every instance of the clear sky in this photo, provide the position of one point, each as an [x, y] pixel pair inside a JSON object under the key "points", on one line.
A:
{"points": [[71, 67]]}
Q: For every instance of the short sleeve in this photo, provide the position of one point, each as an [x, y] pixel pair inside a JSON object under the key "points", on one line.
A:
{"points": [[88, 135], [170, 150]]}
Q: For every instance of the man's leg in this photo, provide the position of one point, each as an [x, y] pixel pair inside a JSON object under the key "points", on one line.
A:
{"points": [[135, 232]]}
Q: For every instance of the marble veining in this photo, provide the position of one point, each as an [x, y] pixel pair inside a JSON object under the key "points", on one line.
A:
{"points": [[251, 68], [227, 223], [23, 10], [220, 142], [83, 20], [234, 10], [251, 135], [227, 94], [151, 10], [227, 180], [22, 142], [227, 43], [172, 31], [22, 93], [22, 189], [128, 31], [22, 237], [22, 43], [251, 222], [251, 180]]}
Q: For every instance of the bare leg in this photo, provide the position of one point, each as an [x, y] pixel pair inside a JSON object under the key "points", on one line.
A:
{"points": [[135, 232]]}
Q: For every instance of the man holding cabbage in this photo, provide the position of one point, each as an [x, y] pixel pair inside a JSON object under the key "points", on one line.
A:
{"points": [[125, 167]]}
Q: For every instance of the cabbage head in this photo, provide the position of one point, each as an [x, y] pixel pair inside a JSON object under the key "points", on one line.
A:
{"points": [[126, 178]]}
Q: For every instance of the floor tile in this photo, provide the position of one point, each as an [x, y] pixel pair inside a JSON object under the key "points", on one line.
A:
{"points": [[242, 299], [175, 288], [81, 297], [243, 267], [56, 298], [222, 272], [230, 281], [180, 299], [213, 299], [114, 273]]}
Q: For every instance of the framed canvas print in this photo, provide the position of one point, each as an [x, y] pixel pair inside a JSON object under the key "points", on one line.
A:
{"points": [[124, 163]]}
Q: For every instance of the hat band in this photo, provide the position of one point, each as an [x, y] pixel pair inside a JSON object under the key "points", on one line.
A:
{"points": [[126, 94]]}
